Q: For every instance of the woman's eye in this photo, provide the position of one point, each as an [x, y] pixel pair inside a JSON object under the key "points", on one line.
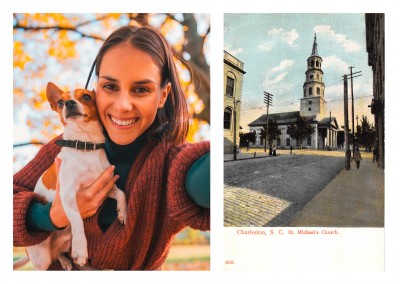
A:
{"points": [[140, 90], [110, 87]]}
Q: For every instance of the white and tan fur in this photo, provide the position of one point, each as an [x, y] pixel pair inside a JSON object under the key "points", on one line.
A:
{"points": [[79, 168]]}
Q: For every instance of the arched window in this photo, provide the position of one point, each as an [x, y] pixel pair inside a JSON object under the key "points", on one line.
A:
{"points": [[310, 91], [230, 83], [318, 91], [317, 63], [227, 118]]}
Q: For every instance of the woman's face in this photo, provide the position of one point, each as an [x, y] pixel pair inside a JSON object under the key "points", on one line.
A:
{"points": [[128, 92]]}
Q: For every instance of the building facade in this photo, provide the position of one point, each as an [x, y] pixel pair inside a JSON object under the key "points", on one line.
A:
{"points": [[375, 39], [233, 84], [312, 108]]}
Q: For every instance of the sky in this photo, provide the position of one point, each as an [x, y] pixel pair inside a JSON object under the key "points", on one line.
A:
{"points": [[274, 49]]}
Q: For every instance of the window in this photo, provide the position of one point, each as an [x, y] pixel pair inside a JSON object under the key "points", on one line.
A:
{"points": [[287, 141], [278, 142], [310, 102], [230, 83], [310, 91], [317, 63], [309, 141], [309, 109], [318, 91], [318, 76], [311, 76], [227, 118]]}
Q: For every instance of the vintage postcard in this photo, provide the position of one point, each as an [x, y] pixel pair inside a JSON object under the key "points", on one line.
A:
{"points": [[304, 142]]}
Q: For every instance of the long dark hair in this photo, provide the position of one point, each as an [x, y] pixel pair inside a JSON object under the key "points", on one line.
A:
{"points": [[172, 120]]}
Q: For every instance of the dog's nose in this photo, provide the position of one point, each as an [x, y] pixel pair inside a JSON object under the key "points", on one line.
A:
{"points": [[70, 104]]}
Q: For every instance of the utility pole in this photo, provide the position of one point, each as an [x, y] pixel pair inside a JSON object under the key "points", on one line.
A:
{"points": [[357, 130], [268, 102], [352, 102], [234, 129], [346, 124]]}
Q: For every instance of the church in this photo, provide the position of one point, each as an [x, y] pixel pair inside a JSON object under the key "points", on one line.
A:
{"points": [[312, 108]]}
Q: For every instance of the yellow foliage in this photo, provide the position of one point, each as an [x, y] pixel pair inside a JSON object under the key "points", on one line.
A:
{"points": [[171, 26], [20, 57]]}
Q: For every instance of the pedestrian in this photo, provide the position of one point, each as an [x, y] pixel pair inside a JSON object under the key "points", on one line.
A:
{"points": [[274, 151], [375, 154], [291, 148], [270, 149], [357, 157], [166, 180]]}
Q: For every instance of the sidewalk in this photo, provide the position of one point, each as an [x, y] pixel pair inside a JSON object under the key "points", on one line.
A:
{"points": [[354, 198]]}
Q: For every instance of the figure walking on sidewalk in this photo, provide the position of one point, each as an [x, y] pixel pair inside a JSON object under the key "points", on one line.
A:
{"points": [[357, 157]]}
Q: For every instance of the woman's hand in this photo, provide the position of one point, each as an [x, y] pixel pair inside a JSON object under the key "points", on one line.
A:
{"points": [[88, 199]]}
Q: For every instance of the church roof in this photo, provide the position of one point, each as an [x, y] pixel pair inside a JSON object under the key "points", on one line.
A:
{"points": [[326, 121], [280, 118]]}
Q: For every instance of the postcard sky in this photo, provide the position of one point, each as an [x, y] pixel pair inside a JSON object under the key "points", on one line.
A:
{"points": [[274, 49]]}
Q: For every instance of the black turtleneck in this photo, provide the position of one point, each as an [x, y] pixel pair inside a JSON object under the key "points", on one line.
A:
{"points": [[122, 157]]}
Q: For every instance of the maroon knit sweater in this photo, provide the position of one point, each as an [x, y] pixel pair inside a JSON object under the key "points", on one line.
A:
{"points": [[158, 208]]}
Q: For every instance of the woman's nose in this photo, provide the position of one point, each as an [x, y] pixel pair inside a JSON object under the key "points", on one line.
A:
{"points": [[123, 102]]}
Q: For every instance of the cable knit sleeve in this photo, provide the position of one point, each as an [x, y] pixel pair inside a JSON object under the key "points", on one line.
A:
{"points": [[182, 209], [23, 186]]}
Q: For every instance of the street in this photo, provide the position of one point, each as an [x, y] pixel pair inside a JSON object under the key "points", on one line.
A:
{"points": [[269, 191]]}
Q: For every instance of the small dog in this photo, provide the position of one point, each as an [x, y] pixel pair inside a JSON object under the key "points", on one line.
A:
{"points": [[82, 163]]}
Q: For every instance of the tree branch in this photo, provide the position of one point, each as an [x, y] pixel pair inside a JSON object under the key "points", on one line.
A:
{"points": [[58, 28]]}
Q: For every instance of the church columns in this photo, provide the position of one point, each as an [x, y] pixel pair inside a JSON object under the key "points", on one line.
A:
{"points": [[316, 137]]}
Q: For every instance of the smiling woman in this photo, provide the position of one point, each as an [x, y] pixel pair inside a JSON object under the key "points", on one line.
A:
{"points": [[166, 180], [129, 95]]}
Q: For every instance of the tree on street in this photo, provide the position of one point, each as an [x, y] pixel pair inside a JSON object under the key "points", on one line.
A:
{"points": [[246, 138], [366, 134], [300, 129], [273, 131]]}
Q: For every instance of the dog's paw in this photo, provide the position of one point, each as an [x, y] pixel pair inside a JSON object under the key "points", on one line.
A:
{"points": [[122, 215], [79, 252], [81, 260], [65, 262], [121, 209]]}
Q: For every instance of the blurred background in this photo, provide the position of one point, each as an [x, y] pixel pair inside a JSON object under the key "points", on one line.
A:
{"points": [[61, 48]]}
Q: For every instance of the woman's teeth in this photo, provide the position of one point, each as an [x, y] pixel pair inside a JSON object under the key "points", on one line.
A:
{"points": [[123, 122]]}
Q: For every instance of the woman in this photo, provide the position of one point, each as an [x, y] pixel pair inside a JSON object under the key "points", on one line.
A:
{"points": [[144, 113]]}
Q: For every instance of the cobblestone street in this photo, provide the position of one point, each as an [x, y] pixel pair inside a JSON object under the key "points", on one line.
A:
{"points": [[269, 191]]}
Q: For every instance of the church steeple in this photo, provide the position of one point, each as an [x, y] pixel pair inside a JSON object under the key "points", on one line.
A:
{"points": [[313, 102], [314, 48]]}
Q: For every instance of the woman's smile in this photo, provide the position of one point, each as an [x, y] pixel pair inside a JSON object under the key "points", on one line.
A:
{"points": [[124, 123]]}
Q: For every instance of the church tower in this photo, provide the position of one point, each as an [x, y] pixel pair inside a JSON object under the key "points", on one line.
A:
{"points": [[313, 103]]}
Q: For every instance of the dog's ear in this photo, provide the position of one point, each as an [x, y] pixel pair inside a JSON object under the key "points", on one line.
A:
{"points": [[53, 95]]}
